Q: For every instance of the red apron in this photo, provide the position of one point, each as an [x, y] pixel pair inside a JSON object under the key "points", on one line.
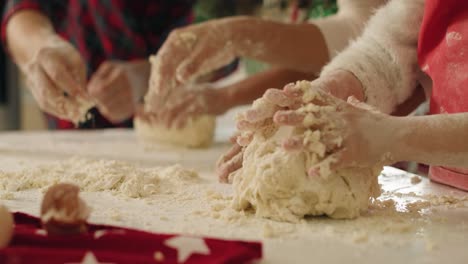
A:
{"points": [[443, 55]]}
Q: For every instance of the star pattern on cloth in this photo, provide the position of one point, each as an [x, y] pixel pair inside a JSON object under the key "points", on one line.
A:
{"points": [[89, 258], [186, 246]]}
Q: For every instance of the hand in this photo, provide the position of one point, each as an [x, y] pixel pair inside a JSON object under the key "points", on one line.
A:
{"points": [[292, 97], [56, 76], [340, 84], [354, 134], [187, 54], [115, 85], [192, 102]]}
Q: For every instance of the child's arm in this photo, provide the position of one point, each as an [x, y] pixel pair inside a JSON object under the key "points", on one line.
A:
{"points": [[435, 140], [384, 58]]}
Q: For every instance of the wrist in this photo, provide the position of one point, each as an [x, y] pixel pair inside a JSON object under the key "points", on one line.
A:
{"points": [[343, 84], [397, 130]]}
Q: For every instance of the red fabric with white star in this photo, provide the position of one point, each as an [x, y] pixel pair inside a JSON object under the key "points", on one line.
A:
{"points": [[109, 244], [443, 55]]}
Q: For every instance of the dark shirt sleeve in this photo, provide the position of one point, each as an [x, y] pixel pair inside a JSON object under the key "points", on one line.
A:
{"points": [[176, 14]]}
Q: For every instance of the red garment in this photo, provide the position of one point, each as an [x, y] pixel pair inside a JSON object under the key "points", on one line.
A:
{"points": [[443, 55], [108, 30], [108, 244]]}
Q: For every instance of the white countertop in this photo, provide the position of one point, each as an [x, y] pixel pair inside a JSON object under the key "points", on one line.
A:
{"points": [[436, 234]]}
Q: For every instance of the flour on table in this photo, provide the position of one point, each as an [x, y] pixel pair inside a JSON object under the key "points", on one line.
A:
{"points": [[101, 175], [198, 132], [276, 185]]}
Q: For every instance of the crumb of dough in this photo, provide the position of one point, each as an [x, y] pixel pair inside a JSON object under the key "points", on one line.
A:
{"points": [[415, 179], [7, 196], [268, 231], [360, 237], [218, 207]]}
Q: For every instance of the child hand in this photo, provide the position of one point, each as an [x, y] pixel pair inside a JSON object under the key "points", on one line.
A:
{"points": [[355, 135]]}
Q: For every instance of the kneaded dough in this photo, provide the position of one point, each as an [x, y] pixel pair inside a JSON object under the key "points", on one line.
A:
{"points": [[199, 132], [275, 183], [6, 226]]}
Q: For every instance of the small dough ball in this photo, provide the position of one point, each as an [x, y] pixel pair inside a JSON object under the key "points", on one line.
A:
{"points": [[6, 226], [63, 212], [198, 133]]}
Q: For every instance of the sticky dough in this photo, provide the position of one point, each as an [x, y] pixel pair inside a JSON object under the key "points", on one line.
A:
{"points": [[198, 132], [276, 185]]}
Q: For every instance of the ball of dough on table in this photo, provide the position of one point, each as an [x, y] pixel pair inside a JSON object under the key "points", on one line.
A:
{"points": [[276, 185], [6, 226], [199, 132]]}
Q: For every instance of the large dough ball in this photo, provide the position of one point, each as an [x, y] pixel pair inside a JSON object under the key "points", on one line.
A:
{"points": [[6, 226], [198, 132], [275, 184]]}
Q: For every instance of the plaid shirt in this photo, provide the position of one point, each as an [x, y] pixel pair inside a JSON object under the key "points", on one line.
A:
{"points": [[108, 30]]}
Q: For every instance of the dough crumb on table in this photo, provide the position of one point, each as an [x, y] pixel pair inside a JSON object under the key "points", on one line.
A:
{"points": [[415, 179]]}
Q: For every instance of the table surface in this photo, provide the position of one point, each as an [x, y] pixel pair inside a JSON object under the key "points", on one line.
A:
{"points": [[433, 234]]}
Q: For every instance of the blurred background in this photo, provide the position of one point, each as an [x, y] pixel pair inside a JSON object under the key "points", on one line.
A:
{"points": [[19, 111]]}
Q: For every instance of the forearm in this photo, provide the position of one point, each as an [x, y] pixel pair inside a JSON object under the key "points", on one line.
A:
{"points": [[433, 140], [384, 58], [295, 46], [246, 91], [28, 31]]}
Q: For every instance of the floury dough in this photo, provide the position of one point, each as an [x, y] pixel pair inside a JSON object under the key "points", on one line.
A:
{"points": [[198, 132], [276, 185]]}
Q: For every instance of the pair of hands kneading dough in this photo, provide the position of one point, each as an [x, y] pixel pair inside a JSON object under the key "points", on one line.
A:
{"points": [[305, 152], [186, 115]]}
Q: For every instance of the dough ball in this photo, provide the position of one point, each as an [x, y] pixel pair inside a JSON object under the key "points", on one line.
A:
{"points": [[199, 132], [6, 226], [276, 185]]}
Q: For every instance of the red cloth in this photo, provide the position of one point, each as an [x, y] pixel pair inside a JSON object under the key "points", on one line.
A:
{"points": [[109, 244], [443, 55]]}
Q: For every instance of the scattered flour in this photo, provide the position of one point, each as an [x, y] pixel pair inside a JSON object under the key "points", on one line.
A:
{"points": [[101, 175]]}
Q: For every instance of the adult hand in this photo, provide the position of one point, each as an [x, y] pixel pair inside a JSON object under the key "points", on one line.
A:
{"points": [[189, 53], [354, 134], [194, 101], [56, 75], [116, 85]]}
